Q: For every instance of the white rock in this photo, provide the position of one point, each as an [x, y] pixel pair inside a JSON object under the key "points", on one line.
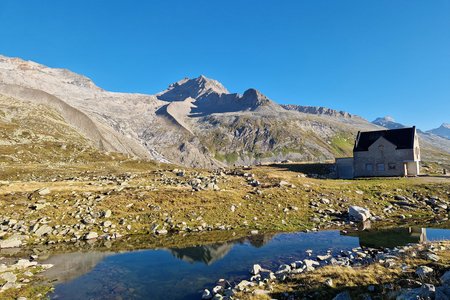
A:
{"points": [[206, 295], [12, 242], [255, 269], [91, 235], [43, 191]]}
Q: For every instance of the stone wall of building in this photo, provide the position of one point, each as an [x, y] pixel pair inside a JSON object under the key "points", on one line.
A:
{"points": [[382, 159]]}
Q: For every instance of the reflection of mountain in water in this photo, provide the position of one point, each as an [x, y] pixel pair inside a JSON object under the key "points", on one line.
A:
{"points": [[68, 266], [260, 240], [207, 254], [390, 238]]}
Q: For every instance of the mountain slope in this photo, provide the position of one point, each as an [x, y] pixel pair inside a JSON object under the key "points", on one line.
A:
{"points": [[195, 122]]}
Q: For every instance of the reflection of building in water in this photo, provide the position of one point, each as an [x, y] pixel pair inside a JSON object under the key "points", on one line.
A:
{"points": [[207, 254], [419, 232], [390, 238], [68, 266]]}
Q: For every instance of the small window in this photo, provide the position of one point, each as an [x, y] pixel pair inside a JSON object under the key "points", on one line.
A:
{"points": [[392, 166], [369, 167], [380, 167]]}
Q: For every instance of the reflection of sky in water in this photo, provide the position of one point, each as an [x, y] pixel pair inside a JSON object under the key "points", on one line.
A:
{"points": [[438, 234], [183, 273]]}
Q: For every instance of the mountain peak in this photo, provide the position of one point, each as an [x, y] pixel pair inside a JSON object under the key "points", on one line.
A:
{"points": [[388, 122], [195, 88], [385, 119], [255, 97], [443, 130]]}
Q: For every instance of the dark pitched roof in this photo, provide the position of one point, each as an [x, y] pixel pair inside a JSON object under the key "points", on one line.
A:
{"points": [[403, 138]]}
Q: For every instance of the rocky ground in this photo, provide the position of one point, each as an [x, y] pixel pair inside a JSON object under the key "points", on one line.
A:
{"points": [[409, 272], [58, 207]]}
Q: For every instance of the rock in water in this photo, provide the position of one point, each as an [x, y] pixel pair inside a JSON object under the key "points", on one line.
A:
{"points": [[359, 214], [255, 269], [206, 295]]}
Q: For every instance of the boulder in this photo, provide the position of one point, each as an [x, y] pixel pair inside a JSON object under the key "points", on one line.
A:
{"points": [[43, 230], [359, 214], [423, 271]]}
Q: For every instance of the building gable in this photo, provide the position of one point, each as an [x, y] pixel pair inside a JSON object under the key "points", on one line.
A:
{"points": [[402, 138], [382, 144]]}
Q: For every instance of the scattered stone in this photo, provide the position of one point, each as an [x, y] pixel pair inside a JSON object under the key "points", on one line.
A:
{"points": [[107, 213], [43, 191], [91, 235], [161, 231]]}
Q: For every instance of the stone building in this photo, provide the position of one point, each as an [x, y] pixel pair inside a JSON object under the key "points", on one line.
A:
{"points": [[393, 152]]}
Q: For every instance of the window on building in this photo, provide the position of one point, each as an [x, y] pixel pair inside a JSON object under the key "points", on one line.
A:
{"points": [[380, 167], [369, 167], [392, 166]]}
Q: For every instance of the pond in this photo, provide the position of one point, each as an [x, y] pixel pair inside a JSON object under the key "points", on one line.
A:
{"points": [[183, 273]]}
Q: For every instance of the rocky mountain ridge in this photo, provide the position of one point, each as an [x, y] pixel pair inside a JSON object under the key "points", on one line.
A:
{"points": [[195, 122]]}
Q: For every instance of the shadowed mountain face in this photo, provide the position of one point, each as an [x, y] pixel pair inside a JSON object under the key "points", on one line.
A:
{"points": [[194, 122], [209, 97]]}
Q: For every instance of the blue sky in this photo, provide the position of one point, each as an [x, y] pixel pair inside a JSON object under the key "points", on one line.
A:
{"points": [[372, 58]]}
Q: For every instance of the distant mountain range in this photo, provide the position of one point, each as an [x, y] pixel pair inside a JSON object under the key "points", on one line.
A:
{"points": [[195, 122], [389, 122]]}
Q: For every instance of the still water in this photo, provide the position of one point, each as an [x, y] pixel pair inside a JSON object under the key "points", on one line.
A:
{"points": [[183, 273]]}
